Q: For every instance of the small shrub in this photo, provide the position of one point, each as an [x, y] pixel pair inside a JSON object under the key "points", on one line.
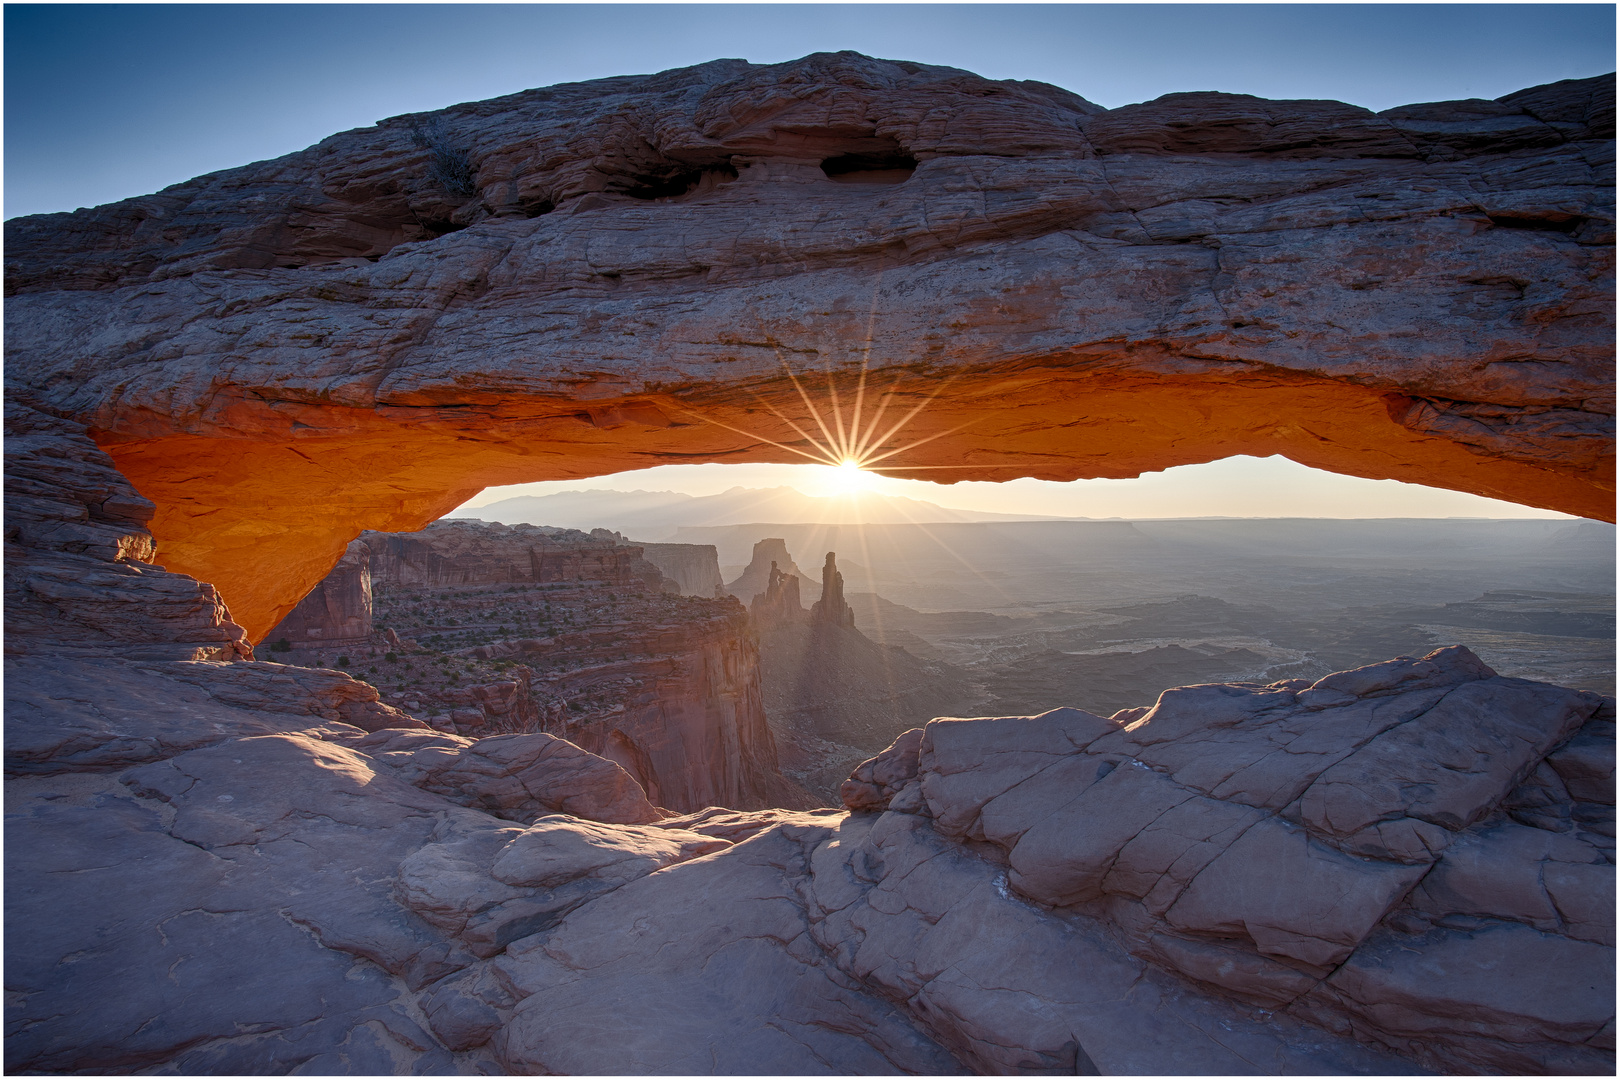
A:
{"points": [[343, 661], [281, 646], [392, 658]]}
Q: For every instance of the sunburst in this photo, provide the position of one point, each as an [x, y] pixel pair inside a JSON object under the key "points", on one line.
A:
{"points": [[856, 441]]}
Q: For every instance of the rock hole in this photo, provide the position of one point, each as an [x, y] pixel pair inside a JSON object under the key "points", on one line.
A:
{"points": [[437, 227], [1559, 223], [683, 181], [884, 167]]}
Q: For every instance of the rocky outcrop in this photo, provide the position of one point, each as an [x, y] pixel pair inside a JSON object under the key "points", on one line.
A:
{"points": [[337, 612], [281, 355], [779, 605], [1194, 892], [832, 609], [517, 777], [694, 567], [523, 629], [80, 573], [1319, 849], [756, 576]]}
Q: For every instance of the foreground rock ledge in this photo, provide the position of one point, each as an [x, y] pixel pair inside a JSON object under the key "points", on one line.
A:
{"points": [[1403, 868], [283, 354]]}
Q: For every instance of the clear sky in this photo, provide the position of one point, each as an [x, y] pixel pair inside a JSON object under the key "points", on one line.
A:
{"points": [[104, 102]]}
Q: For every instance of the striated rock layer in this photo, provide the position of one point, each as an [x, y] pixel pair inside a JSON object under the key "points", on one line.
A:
{"points": [[283, 354], [1417, 853]]}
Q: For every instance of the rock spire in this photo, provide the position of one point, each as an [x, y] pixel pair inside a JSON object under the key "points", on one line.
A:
{"points": [[832, 608], [779, 604]]}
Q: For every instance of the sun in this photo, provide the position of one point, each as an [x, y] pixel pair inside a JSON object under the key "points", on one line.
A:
{"points": [[848, 478]]}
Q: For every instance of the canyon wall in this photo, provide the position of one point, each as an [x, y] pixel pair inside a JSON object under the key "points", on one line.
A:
{"points": [[281, 355], [454, 553], [496, 629], [694, 567], [688, 719], [337, 611]]}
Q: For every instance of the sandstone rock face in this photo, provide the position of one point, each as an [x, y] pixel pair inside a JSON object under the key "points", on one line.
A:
{"points": [[230, 884], [694, 567], [225, 878], [451, 553], [337, 612], [1354, 852], [281, 355], [79, 559], [575, 636]]}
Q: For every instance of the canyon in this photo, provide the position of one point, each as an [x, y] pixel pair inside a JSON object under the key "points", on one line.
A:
{"points": [[220, 864], [485, 629]]}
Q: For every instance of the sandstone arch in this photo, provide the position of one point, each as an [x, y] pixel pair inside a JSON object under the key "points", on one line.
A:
{"points": [[281, 355]]}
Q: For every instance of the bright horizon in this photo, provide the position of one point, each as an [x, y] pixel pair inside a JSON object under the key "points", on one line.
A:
{"points": [[1234, 487]]}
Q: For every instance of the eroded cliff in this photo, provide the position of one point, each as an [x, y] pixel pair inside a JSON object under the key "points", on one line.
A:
{"points": [[487, 629]]}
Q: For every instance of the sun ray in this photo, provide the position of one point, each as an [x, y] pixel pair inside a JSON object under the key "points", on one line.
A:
{"points": [[877, 418], [838, 416], [827, 451], [850, 443], [806, 398], [887, 435], [763, 439], [919, 442], [866, 363]]}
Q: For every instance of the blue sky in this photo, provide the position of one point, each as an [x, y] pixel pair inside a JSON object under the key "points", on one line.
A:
{"points": [[105, 102]]}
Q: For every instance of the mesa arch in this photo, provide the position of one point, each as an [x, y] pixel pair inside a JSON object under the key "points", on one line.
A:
{"points": [[281, 355]]}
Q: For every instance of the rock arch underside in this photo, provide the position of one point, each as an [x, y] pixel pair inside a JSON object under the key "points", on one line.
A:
{"points": [[219, 864]]}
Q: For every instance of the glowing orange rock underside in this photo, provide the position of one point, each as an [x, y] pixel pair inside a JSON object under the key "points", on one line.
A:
{"points": [[266, 514]]}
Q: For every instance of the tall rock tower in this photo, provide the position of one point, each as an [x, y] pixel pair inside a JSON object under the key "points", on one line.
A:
{"points": [[779, 604], [832, 608]]}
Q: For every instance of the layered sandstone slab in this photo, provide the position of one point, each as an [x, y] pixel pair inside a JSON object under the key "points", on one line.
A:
{"points": [[283, 354], [278, 891], [1392, 851]]}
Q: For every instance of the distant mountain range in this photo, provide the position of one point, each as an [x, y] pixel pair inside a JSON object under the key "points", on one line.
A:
{"points": [[655, 515]]}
